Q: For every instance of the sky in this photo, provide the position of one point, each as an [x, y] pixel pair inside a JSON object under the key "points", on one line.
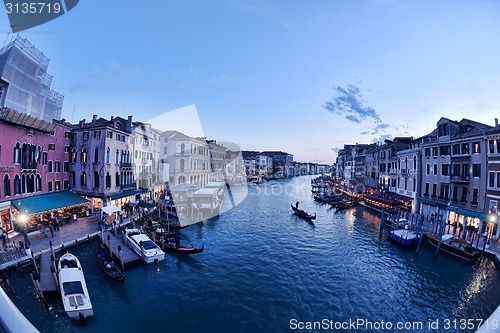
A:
{"points": [[300, 76]]}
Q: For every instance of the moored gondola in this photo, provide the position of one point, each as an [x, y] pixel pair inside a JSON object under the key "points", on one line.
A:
{"points": [[111, 267]]}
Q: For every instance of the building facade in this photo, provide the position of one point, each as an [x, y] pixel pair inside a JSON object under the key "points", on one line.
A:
{"points": [[35, 160], [101, 161]]}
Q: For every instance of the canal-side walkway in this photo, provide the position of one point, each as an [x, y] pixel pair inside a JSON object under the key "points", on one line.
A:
{"points": [[67, 236]]}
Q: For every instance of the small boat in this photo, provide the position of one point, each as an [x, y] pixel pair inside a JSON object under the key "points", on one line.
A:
{"points": [[74, 293], [175, 246], [455, 246], [303, 214], [404, 237], [346, 204], [108, 264], [143, 246]]}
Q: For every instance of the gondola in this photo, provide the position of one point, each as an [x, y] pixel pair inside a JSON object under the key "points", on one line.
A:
{"points": [[108, 265], [176, 247], [303, 214], [455, 246]]}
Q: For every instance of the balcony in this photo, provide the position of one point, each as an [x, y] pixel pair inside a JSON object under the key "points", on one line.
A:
{"points": [[25, 166], [125, 165], [459, 178], [130, 186]]}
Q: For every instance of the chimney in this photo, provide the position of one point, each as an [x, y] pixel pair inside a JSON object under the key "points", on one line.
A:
{"points": [[94, 118], [111, 118], [82, 122], [128, 126], [496, 122]]}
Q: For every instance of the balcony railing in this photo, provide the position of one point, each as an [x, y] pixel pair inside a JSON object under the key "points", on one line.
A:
{"points": [[125, 165], [460, 178], [127, 186]]}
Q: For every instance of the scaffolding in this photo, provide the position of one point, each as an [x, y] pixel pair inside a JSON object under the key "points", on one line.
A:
{"points": [[28, 85]]}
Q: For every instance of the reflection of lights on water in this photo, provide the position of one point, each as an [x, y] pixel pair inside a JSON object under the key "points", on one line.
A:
{"points": [[475, 286]]}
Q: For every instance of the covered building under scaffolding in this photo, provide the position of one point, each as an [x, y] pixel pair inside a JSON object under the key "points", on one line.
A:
{"points": [[25, 85]]}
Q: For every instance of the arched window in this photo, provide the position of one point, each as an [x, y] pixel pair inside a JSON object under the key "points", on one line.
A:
{"points": [[108, 180], [117, 179], [73, 155], [108, 153], [183, 148], [117, 156], [38, 183], [96, 155], [6, 185], [23, 184], [182, 164], [17, 185], [96, 179], [83, 179], [17, 153], [83, 156]]}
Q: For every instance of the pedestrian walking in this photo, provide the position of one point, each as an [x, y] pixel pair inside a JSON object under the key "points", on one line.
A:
{"points": [[51, 230], [4, 242], [56, 224]]}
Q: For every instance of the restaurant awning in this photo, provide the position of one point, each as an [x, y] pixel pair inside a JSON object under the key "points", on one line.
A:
{"points": [[468, 213], [400, 197], [111, 209], [486, 217], [434, 203], [451, 208], [122, 195], [48, 202], [145, 204], [382, 200]]}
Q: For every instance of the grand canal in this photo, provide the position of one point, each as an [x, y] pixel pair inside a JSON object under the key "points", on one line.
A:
{"points": [[264, 268]]}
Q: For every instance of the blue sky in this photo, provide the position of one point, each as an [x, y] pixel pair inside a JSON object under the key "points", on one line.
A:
{"points": [[306, 77]]}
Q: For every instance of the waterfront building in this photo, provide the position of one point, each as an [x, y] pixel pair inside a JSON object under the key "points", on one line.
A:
{"points": [[454, 173], [217, 160], [408, 173], [101, 161], [144, 143], [282, 163], [264, 165], [25, 85], [188, 158], [249, 161], [35, 161], [235, 167], [370, 181], [493, 180]]}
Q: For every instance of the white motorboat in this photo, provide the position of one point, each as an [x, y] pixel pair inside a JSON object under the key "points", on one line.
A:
{"points": [[150, 252], [74, 293]]}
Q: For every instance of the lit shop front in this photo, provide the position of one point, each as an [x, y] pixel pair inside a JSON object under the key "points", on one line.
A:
{"points": [[37, 212]]}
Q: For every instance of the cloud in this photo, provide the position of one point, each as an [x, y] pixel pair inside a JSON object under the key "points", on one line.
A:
{"points": [[350, 104], [382, 138], [115, 72], [225, 79], [336, 149], [377, 129]]}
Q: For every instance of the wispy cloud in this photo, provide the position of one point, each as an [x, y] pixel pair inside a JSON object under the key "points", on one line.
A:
{"points": [[349, 103], [115, 72], [226, 79], [382, 138], [380, 128]]}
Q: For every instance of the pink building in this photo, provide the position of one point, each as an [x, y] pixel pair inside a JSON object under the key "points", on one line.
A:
{"points": [[34, 160]]}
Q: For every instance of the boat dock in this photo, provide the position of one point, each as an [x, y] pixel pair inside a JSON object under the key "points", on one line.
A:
{"points": [[47, 281], [128, 256]]}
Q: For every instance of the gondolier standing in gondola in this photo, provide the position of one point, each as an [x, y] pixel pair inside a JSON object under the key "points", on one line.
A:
{"points": [[297, 205]]}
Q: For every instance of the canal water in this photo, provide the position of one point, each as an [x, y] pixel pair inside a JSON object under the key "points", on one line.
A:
{"points": [[266, 270]]}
